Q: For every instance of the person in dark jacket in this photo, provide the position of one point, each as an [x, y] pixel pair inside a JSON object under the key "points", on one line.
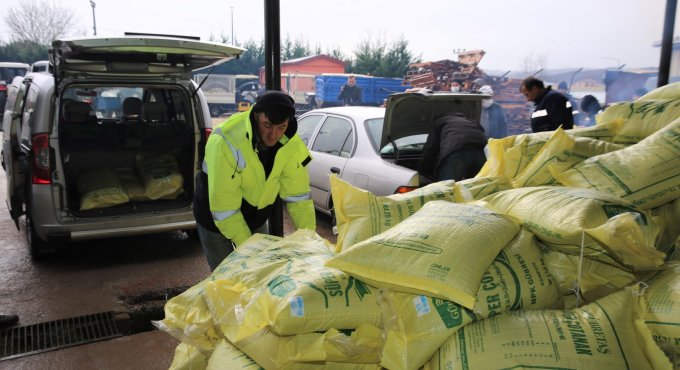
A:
{"points": [[590, 107], [552, 109], [493, 116], [454, 150], [350, 93]]}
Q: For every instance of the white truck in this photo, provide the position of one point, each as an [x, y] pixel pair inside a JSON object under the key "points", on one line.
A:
{"points": [[224, 92]]}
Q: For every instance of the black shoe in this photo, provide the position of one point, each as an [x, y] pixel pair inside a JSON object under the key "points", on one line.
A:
{"points": [[8, 320]]}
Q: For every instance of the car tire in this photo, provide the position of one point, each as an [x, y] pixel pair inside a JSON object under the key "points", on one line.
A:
{"points": [[215, 111], [38, 248]]}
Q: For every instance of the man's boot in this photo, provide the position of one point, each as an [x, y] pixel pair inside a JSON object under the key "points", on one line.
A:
{"points": [[8, 320]]}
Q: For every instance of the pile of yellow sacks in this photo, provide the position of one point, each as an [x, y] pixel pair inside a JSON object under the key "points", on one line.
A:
{"points": [[561, 253]]}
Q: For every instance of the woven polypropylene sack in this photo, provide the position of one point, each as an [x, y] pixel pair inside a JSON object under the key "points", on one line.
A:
{"points": [[361, 214], [560, 153], [560, 216], [641, 118], [416, 325], [477, 188], [646, 174], [287, 288], [324, 350], [595, 280], [188, 357], [100, 188], [160, 174], [607, 334], [441, 251], [227, 356], [188, 318], [131, 183], [663, 310], [670, 91]]}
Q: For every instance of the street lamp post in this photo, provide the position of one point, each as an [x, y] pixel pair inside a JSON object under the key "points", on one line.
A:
{"points": [[94, 20], [232, 26]]}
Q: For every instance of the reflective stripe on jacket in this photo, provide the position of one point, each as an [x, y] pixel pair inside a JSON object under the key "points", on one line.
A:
{"points": [[237, 184]]}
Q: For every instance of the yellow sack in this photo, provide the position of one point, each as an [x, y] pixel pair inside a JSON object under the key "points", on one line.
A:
{"points": [[641, 118], [188, 357], [329, 350], [227, 357], [161, 175], [287, 288], [561, 217], [100, 188], [416, 326], [441, 251], [629, 241], [238, 261], [476, 188], [527, 146], [670, 91], [131, 184], [596, 280], [663, 310], [361, 215], [561, 152], [646, 174], [187, 317], [494, 165], [668, 216], [607, 334]]}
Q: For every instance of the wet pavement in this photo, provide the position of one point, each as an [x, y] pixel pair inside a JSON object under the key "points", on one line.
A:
{"points": [[121, 275]]}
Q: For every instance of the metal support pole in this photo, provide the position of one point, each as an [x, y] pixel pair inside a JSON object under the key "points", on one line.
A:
{"points": [[232, 26], [272, 73], [94, 20], [667, 43]]}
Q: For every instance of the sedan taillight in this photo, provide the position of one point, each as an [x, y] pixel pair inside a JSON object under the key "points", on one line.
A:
{"points": [[405, 189], [41, 160]]}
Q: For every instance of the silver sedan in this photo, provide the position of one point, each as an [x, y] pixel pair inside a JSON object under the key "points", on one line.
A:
{"points": [[345, 141]]}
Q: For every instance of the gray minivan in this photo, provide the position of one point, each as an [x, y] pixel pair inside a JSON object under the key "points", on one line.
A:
{"points": [[109, 144]]}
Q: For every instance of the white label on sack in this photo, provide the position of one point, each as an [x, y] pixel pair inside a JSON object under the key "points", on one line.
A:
{"points": [[421, 304]]}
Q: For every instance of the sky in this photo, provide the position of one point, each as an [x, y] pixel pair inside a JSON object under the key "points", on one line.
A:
{"points": [[563, 34]]}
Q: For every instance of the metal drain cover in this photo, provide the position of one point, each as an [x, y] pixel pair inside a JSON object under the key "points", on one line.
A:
{"points": [[31, 339]]}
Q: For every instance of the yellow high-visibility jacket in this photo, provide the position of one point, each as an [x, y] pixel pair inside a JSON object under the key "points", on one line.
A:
{"points": [[240, 196]]}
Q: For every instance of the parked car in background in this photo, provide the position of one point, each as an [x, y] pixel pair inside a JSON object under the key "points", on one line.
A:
{"points": [[113, 147], [374, 148], [9, 70], [42, 66]]}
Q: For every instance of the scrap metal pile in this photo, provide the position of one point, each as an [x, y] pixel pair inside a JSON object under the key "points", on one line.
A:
{"points": [[438, 76]]}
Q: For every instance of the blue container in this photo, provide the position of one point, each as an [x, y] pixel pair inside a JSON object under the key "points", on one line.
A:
{"points": [[373, 89]]}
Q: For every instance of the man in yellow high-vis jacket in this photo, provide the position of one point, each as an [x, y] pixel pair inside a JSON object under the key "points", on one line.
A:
{"points": [[250, 160]]}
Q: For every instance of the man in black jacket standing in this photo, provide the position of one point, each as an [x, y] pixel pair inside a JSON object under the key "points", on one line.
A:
{"points": [[552, 108], [350, 93]]}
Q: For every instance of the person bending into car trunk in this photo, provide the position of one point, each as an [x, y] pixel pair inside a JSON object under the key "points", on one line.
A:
{"points": [[250, 160], [454, 150]]}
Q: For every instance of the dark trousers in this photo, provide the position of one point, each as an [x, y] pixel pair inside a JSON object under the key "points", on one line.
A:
{"points": [[461, 164]]}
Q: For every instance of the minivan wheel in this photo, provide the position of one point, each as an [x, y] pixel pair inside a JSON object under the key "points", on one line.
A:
{"points": [[37, 247]]}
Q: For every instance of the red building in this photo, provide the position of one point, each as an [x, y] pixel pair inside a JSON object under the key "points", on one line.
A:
{"points": [[297, 75]]}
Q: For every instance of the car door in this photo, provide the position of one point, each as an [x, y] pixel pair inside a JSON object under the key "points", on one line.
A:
{"points": [[331, 148], [13, 158]]}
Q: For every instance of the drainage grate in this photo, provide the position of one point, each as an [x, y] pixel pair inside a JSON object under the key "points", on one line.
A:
{"points": [[48, 336]]}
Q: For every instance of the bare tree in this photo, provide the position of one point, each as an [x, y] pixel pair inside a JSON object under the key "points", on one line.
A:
{"points": [[534, 64], [39, 21]]}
